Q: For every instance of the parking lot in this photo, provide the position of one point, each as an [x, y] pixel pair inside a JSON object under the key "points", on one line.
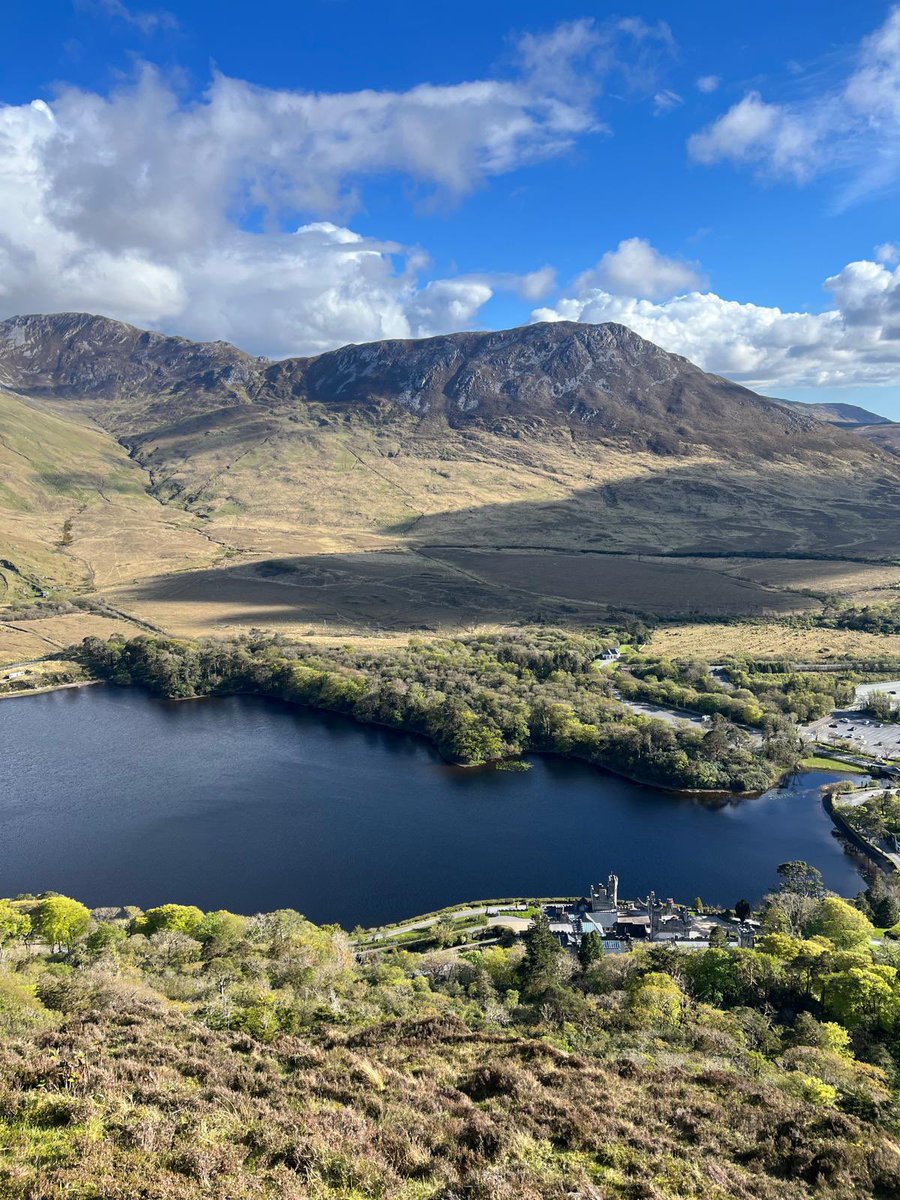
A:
{"points": [[879, 739]]}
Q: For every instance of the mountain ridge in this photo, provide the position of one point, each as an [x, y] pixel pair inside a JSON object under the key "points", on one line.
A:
{"points": [[599, 381]]}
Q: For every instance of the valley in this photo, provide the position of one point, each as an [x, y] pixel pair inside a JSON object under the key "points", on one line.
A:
{"points": [[554, 473]]}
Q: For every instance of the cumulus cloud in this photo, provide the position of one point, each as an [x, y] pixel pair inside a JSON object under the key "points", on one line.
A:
{"points": [[854, 127], [208, 215], [708, 83], [887, 252], [856, 341], [635, 268]]}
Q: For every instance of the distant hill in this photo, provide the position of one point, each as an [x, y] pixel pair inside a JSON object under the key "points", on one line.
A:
{"points": [[847, 415], [885, 435], [342, 486]]}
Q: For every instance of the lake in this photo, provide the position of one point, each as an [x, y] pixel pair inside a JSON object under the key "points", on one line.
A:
{"points": [[116, 798]]}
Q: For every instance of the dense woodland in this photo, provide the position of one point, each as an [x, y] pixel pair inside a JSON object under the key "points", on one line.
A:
{"points": [[748, 696], [479, 699], [179, 1054], [870, 618]]}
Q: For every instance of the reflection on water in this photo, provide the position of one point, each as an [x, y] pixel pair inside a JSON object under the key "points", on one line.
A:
{"points": [[252, 805]]}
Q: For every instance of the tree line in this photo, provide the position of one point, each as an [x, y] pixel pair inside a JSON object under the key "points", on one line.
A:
{"points": [[479, 699]]}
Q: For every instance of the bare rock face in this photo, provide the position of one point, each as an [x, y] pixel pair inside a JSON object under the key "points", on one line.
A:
{"points": [[588, 381], [600, 381], [75, 355]]}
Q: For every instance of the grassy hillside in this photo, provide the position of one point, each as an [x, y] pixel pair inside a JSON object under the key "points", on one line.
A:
{"points": [[174, 1055], [75, 513]]}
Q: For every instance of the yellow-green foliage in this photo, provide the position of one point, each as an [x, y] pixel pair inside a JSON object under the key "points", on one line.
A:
{"points": [[174, 1055]]}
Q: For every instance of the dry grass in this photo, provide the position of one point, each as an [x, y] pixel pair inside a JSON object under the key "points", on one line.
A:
{"points": [[853, 580], [74, 509], [712, 641], [26, 640], [351, 501], [367, 594], [142, 1101]]}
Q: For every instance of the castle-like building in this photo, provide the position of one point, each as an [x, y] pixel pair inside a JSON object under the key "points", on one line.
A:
{"points": [[618, 924]]}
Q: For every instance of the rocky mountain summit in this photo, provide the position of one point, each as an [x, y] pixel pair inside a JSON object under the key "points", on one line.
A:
{"points": [[598, 382], [77, 356]]}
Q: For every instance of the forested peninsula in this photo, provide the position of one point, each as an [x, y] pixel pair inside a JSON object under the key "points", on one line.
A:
{"points": [[482, 699]]}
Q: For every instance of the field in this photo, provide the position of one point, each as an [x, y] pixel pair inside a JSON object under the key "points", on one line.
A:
{"points": [[863, 583], [653, 586], [769, 639], [21, 642], [75, 511]]}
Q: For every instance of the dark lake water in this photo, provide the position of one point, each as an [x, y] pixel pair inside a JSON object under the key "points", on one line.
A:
{"points": [[252, 805]]}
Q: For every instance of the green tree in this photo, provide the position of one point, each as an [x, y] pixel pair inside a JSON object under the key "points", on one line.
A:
{"points": [[862, 993], [656, 1000], [799, 877], [718, 938], [169, 918], [712, 976], [883, 903], [845, 926], [742, 910], [220, 931], [105, 939], [590, 949], [61, 921], [542, 952], [14, 924]]}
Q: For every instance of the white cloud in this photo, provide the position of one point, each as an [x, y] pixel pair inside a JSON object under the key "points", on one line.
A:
{"points": [[753, 131], [147, 21], [635, 268], [887, 252], [446, 304], [855, 342], [206, 216], [708, 83], [853, 128], [665, 101]]}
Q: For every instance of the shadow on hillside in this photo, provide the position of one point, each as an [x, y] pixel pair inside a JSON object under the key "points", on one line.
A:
{"points": [[689, 508], [563, 561]]}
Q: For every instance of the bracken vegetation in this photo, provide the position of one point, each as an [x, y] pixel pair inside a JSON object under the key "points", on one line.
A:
{"points": [[478, 699], [178, 1054]]}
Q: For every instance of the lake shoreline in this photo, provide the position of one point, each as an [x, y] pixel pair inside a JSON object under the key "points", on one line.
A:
{"points": [[50, 687], [255, 804], [710, 794]]}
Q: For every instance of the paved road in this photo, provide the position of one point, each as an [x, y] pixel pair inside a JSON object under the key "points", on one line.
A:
{"points": [[853, 800], [890, 686], [508, 922], [669, 715], [678, 717]]}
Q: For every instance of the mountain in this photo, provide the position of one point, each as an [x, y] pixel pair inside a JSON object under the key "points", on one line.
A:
{"points": [[850, 416], [400, 484], [76, 355], [599, 381]]}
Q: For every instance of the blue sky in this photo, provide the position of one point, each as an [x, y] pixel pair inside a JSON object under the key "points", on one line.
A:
{"points": [[298, 175]]}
